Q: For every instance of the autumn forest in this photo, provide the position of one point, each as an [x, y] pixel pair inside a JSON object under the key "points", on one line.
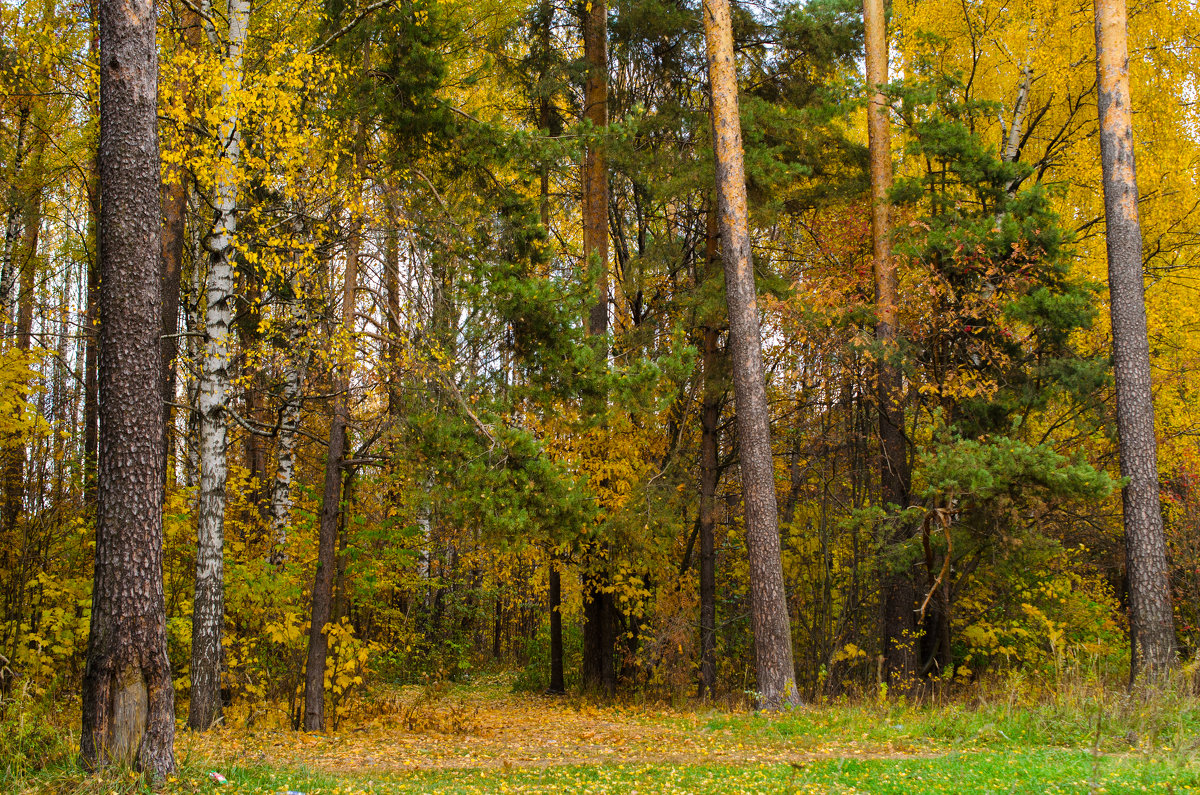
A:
{"points": [[800, 384]]}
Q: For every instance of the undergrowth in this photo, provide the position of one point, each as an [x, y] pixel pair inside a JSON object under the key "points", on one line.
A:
{"points": [[1075, 732]]}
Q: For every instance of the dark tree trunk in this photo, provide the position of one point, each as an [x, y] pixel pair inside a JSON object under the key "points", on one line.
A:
{"points": [[128, 698], [710, 417], [899, 591], [24, 262], [1151, 621], [322, 594], [91, 407], [599, 631], [557, 685], [599, 636], [768, 605]]}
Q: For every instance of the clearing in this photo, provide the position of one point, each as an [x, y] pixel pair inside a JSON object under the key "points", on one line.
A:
{"points": [[484, 738]]}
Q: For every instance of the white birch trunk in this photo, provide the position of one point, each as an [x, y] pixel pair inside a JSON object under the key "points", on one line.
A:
{"points": [[295, 372], [208, 612]]}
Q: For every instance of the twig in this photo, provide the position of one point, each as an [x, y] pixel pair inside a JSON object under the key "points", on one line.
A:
{"points": [[943, 515], [349, 26]]}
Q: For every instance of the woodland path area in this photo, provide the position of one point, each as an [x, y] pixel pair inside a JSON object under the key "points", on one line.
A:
{"points": [[484, 738]]}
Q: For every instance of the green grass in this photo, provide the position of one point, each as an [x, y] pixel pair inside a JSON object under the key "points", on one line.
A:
{"points": [[1069, 742], [975, 771]]}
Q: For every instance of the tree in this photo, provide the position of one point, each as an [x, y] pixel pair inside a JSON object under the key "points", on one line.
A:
{"points": [[331, 500], [710, 444], [599, 630], [768, 607], [208, 615], [1151, 624], [128, 697], [899, 617]]}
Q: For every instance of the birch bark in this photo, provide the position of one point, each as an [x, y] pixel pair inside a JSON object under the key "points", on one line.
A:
{"points": [[209, 608]]}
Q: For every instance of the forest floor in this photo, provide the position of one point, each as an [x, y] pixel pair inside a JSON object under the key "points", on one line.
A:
{"points": [[484, 738]]}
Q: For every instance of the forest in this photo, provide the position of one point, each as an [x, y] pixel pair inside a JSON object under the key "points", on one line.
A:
{"points": [[604, 395]]}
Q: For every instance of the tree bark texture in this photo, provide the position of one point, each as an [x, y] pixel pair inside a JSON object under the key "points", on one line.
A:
{"points": [[322, 595], [208, 614], [899, 591], [768, 605], [128, 699], [1151, 621]]}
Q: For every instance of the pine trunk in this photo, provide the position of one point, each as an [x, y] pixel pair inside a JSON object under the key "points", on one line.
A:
{"points": [[128, 698], [768, 605], [1151, 621], [899, 591], [599, 631]]}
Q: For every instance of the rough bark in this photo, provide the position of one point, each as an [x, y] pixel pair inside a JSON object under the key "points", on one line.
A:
{"points": [[1151, 623], [208, 614], [128, 699], [768, 605]]}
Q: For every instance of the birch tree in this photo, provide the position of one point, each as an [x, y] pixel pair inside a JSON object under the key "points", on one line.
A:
{"points": [[209, 610]]}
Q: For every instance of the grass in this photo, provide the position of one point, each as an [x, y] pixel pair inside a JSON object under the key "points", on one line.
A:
{"points": [[483, 738]]}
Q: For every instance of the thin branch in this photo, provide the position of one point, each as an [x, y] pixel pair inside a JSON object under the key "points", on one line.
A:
{"points": [[349, 26]]}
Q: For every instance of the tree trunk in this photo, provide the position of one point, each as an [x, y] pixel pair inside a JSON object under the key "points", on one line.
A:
{"points": [[1151, 623], [557, 684], [22, 261], [12, 226], [174, 204], [768, 605], [128, 698], [208, 614], [710, 440], [599, 631], [91, 404], [174, 207], [294, 373], [322, 595], [899, 592]]}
